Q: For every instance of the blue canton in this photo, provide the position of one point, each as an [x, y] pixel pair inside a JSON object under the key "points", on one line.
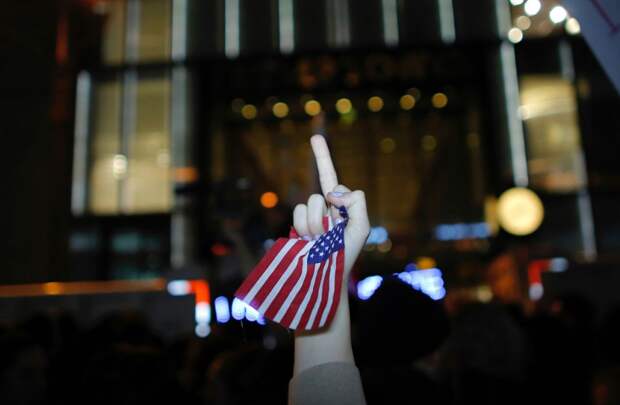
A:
{"points": [[329, 242]]}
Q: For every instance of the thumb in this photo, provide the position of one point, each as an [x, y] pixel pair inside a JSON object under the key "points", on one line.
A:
{"points": [[355, 203]]}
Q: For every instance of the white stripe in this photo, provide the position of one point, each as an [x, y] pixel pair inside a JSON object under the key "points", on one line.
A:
{"points": [[289, 300], [285, 276], [332, 283], [304, 303], [272, 266], [319, 299]]}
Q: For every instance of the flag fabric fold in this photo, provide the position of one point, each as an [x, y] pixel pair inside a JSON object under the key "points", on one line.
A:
{"points": [[297, 283]]}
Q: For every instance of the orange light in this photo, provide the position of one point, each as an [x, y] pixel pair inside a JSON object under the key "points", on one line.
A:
{"points": [[312, 108], [201, 289], [52, 288], [439, 100], [185, 174], [269, 199]]}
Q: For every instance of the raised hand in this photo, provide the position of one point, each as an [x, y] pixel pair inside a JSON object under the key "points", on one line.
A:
{"points": [[308, 218]]}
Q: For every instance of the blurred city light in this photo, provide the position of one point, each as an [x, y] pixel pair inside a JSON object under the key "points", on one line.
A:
{"points": [[269, 199], [249, 111], [520, 211], [523, 22], [222, 309], [280, 109], [375, 103], [367, 287], [407, 102], [515, 35], [516, 2], [119, 166], [428, 281], [202, 312], [572, 26], [439, 100], [532, 7], [459, 231], [202, 330], [344, 106], [377, 235], [312, 108], [558, 14], [238, 309], [178, 287]]}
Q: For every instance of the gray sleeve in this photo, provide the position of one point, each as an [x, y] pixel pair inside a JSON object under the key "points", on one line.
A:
{"points": [[327, 384]]}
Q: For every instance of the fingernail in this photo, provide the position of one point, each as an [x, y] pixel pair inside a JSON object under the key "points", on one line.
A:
{"points": [[337, 193]]}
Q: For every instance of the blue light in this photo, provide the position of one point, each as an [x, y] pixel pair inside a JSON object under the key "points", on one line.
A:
{"points": [[251, 314], [377, 235], [222, 310], [429, 281], [474, 230], [238, 309], [367, 287]]}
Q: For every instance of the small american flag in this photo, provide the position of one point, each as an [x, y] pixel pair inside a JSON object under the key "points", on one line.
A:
{"points": [[297, 283]]}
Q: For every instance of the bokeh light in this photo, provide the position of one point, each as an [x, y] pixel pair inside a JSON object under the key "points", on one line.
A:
{"points": [[269, 199]]}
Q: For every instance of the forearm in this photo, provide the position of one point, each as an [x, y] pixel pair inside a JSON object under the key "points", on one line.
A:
{"points": [[326, 345]]}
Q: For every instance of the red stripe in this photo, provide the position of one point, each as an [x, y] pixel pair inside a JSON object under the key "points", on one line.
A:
{"points": [[261, 295], [276, 304], [313, 297], [326, 224], [324, 294], [337, 286], [290, 314], [253, 277]]}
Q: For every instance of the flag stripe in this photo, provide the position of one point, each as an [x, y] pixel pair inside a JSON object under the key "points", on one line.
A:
{"points": [[262, 280], [285, 276], [293, 294], [317, 303], [330, 295], [323, 288], [271, 281], [339, 276], [264, 263], [301, 311], [296, 304], [306, 307]]}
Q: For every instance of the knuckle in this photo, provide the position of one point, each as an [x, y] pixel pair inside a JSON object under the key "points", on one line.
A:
{"points": [[316, 199]]}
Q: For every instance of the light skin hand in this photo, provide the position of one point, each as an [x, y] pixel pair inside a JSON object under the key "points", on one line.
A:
{"points": [[333, 342]]}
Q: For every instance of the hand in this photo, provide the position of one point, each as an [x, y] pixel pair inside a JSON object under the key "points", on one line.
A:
{"points": [[308, 218]]}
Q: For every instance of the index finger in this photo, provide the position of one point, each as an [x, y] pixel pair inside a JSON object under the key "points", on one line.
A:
{"points": [[327, 173]]}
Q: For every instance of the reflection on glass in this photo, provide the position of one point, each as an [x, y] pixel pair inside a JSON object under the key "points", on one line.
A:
{"points": [[113, 31], [155, 28], [548, 108], [105, 146], [148, 180]]}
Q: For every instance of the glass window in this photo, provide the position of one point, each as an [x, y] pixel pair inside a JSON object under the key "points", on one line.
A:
{"points": [[130, 167], [113, 44], [549, 110], [107, 168], [148, 179], [155, 19]]}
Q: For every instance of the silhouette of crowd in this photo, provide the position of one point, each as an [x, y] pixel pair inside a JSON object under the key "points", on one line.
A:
{"points": [[407, 347]]}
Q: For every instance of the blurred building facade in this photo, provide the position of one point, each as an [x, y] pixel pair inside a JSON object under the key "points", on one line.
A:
{"points": [[194, 115]]}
